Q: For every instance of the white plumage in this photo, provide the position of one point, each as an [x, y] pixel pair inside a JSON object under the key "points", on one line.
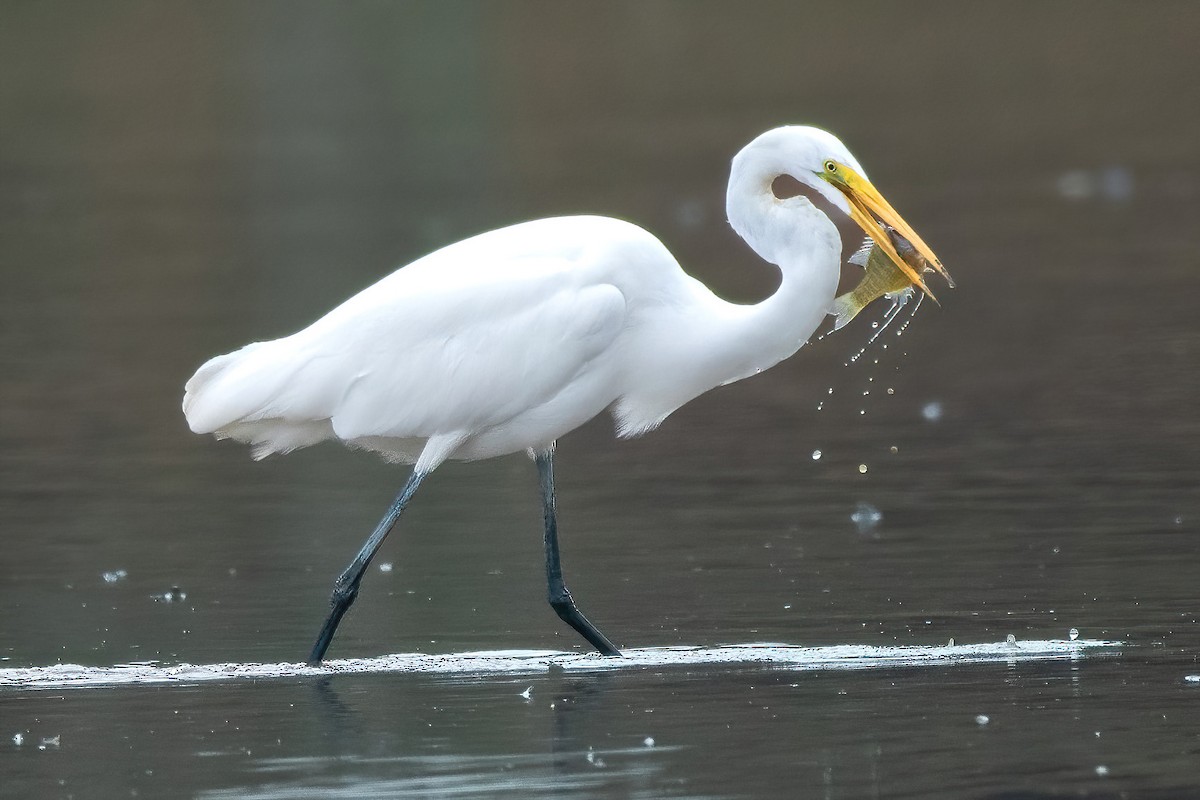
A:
{"points": [[508, 340]]}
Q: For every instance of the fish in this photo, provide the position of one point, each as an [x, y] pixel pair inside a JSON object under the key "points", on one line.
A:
{"points": [[883, 277]]}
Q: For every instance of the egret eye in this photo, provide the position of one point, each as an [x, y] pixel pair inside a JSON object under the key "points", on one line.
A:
{"points": [[830, 166]]}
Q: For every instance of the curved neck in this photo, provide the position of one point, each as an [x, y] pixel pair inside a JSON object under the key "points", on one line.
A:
{"points": [[710, 341], [805, 245]]}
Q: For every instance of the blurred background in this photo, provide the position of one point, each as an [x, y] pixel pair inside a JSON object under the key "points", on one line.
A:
{"points": [[179, 179]]}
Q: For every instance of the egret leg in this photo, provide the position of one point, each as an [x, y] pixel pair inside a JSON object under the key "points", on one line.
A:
{"points": [[560, 598], [345, 588]]}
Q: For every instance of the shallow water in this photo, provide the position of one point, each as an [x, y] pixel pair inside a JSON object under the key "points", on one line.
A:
{"points": [[536, 662], [178, 180]]}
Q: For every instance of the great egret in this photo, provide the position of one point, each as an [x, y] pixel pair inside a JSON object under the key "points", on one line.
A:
{"points": [[508, 340]]}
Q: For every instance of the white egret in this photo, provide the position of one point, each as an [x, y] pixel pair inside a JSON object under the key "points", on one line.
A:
{"points": [[508, 340]]}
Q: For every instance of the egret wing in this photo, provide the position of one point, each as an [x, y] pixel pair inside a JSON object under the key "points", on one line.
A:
{"points": [[412, 359]]}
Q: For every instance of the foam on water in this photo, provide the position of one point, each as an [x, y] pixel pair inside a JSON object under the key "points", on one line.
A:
{"points": [[531, 662]]}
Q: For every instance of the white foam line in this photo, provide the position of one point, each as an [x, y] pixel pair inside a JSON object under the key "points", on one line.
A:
{"points": [[530, 662]]}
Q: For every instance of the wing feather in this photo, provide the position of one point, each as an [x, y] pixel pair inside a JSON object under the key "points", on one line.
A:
{"points": [[452, 343]]}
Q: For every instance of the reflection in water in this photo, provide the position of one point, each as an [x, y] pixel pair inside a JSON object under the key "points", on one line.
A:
{"points": [[576, 773]]}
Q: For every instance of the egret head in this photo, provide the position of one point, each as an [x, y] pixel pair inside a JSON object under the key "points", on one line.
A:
{"points": [[868, 208], [819, 160]]}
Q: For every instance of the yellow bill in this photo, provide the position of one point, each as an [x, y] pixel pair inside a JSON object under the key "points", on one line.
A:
{"points": [[869, 210]]}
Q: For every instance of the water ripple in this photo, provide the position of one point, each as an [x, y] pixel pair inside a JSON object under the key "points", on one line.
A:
{"points": [[531, 662]]}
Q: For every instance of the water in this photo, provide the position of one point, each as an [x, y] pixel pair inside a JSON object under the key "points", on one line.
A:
{"points": [[178, 180], [866, 517], [521, 662]]}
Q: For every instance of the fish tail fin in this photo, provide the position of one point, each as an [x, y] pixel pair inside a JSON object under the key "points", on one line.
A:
{"points": [[843, 309]]}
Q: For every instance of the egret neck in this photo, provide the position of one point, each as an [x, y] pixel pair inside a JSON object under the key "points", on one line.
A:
{"points": [[803, 243]]}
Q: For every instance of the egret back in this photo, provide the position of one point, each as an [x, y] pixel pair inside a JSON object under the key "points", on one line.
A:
{"points": [[505, 338]]}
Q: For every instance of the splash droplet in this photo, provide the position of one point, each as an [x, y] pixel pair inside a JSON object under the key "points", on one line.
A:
{"points": [[816, 455], [865, 516], [1073, 633], [862, 469]]}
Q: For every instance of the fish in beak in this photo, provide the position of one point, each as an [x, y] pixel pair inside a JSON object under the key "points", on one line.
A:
{"points": [[886, 228]]}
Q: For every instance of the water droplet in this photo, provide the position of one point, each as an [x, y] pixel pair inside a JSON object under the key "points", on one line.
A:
{"points": [[862, 411], [528, 693], [862, 469], [18, 738], [830, 390], [1101, 771], [174, 595], [982, 719], [891, 390], [816, 455], [648, 741], [865, 516], [894, 449], [874, 324], [951, 642], [114, 576], [1073, 633], [386, 566], [932, 412], [1011, 640]]}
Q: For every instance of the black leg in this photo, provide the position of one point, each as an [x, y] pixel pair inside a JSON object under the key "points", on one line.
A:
{"points": [[345, 588], [560, 597]]}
